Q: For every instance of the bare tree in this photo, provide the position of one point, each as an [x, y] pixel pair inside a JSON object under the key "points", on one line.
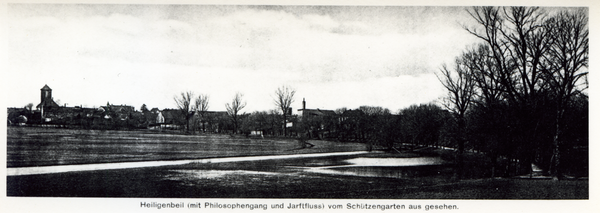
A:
{"points": [[517, 41], [532, 55], [567, 67], [373, 110], [233, 109], [461, 88], [484, 72], [460, 85], [284, 97], [184, 105], [201, 107]]}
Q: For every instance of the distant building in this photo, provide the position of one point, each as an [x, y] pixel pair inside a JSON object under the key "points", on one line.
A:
{"points": [[160, 119], [305, 113], [170, 118], [50, 113], [47, 102], [316, 121], [122, 112]]}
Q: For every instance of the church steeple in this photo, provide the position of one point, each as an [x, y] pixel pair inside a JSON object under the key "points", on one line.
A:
{"points": [[46, 102], [46, 98], [46, 93]]}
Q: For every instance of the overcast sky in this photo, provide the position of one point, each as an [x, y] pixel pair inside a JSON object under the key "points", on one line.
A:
{"points": [[334, 56]]}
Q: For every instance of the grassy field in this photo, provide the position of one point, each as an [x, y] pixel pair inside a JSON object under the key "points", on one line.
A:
{"points": [[287, 178], [49, 146]]}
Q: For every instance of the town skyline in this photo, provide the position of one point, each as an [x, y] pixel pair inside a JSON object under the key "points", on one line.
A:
{"points": [[334, 56]]}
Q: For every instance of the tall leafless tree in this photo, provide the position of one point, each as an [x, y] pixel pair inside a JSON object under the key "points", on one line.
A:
{"points": [[484, 72], [517, 41], [567, 67], [234, 108], [184, 105], [461, 88], [284, 97], [201, 107], [460, 85]]}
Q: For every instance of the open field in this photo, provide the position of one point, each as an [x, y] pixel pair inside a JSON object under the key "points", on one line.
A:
{"points": [[49, 146], [343, 176]]}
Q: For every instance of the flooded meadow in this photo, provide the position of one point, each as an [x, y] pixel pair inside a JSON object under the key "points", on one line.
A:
{"points": [[76, 163]]}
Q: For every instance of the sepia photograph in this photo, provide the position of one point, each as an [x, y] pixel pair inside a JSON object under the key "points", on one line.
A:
{"points": [[232, 106]]}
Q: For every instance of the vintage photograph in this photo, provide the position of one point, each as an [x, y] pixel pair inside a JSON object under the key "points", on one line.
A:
{"points": [[297, 102]]}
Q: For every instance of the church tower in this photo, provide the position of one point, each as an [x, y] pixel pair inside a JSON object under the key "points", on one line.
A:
{"points": [[46, 99], [46, 94]]}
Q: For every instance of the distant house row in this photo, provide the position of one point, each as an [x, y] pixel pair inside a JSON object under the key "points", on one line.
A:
{"points": [[317, 122], [49, 113]]}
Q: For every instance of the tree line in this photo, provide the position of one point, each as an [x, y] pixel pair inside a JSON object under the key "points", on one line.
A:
{"points": [[191, 107], [520, 92]]}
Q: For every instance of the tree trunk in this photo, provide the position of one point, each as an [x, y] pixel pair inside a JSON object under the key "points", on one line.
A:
{"points": [[461, 146], [494, 163], [556, 170], [284, 125]]}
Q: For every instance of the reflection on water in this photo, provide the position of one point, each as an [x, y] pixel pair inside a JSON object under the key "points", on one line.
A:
{"points": [[387, 167], [430, 167], [227, 177], [385, 171], [212, 174], [420, 161]]}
